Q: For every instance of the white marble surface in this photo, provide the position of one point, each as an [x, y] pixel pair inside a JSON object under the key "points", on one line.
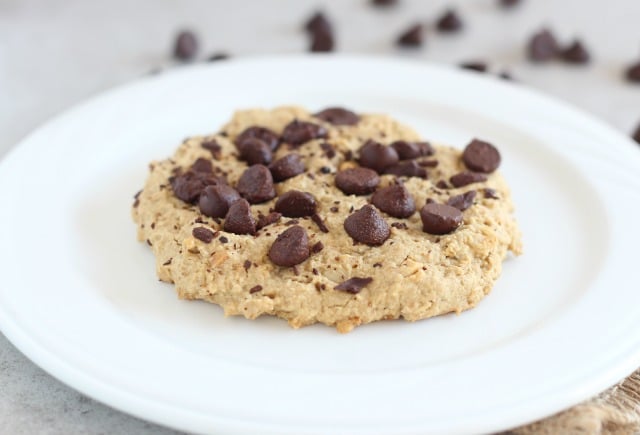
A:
{"points": [[55, 53]]}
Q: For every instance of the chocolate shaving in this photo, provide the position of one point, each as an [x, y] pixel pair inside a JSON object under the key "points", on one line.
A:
{"points": [[319, 222], [353, 285], [255, 289]]}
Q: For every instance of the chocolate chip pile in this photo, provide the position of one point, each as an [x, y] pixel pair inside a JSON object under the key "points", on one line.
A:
{"points": [[204, 186]]}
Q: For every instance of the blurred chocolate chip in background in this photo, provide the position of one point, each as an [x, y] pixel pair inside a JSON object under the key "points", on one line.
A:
{"points": [[543, 46], [384, 3], [218, 56], [576, 53], [633, 73], [449, 22], [508, 4], [186, 46], [636, 134], [412, 37], [474, 65]]}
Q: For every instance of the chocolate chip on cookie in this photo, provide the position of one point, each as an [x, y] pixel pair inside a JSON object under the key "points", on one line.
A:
{"points": [[412, 37], [462, 201], [467, 177], [338, 116], [298, 132], [203, 234], [202, 165], [449, 22], [367, 226], [255, 151], [255, 289], [440, 218], [319, 222], [189, 186], [353, 285], [411, 150], [287, 167], [394, 200], [291, 247], [269, 219], [215, 200], [294, 203], [481, 156], [257, 132], [213, 147], [357, 181], [256, 184], [376, 156], [239, 219], [543, 46], [409, 168], [491, 193]]}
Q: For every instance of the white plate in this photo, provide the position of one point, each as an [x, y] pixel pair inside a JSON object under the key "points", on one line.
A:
{"points": [[79, 296]]}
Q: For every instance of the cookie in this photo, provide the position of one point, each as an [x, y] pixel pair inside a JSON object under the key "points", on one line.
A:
{"points": [[331, 217]]}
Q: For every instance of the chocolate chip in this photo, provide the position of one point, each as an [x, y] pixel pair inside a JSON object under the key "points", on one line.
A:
{"points": [[467, 177], [353, 285], [294, 203], [481, 156], [216, 200], [239, 219], [319, 222], [298, 132], [399, 225], [255, 151], [384, 3], [412, 37], [394, 200], [428, 163], [292, 222], [490, 193], [318, 23], [136, 199], [357, 181], [168, 262], [442, 184], [576, 53], [189, 186], [636, 134], [449, 22], [256, 184], [203, 234], [186, 45], [376, 156], [213, 147], [317, 247], [202, 165], [505, 75], [633, 73], [508, 3], [255, 289], [440, 218], [321, 42], [286, 167], [367, 226], [269, 219], [462, 201], [474, 66], [338, 116], [256, 132], [291, 247], [218, 56], [334, 209], [325, 170], [411, 150], [409, 168], [542, 46], [246, 265]]}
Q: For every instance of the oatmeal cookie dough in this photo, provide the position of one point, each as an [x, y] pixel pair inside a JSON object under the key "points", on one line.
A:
{"points": [[333, 217]]}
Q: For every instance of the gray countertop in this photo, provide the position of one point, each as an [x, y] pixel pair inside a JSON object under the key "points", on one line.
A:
{"points": [[55, 53]]}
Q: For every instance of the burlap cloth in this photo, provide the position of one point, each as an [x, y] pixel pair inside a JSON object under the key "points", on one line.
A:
{"points": [[616, 411]]}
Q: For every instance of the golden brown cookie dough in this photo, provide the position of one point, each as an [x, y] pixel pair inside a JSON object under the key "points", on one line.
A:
{"points": [[342, 283]]}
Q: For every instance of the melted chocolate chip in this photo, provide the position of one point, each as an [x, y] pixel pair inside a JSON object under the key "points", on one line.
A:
{"points": [[376, 156], [255, 289], [490, 193], [291, 247], [216, 200], [256, 184], [633, 73], [189, 186], [203, 234], [542, 46], [411, 150], [298, 132], [255, 151], [213, 148], [440, 218], [202, 165], [481, 156], [338, 116], [294, 203], [412, 37], [287, 167], [409, 168], [462, 201], [449, 22], [353, 285], [474, 65], [576, 53], [367, 226], [394, 200], [269, 219], [357, 181], [467, 177], [239, 219], [186, 45], [262, 133]]}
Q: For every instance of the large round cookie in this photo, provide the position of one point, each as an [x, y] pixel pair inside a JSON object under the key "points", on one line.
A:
{"points": [[392, 269]]}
